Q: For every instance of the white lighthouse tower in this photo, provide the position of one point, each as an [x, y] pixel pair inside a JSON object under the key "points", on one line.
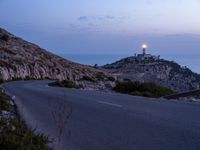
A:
{"points": [[144, 47], [145, 55]]}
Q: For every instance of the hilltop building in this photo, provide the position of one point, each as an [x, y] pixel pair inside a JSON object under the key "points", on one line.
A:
{"points": [[145, 56]]}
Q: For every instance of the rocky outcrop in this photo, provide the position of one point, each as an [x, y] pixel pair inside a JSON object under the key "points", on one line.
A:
{"points": [[20, 59], [163, 72]]}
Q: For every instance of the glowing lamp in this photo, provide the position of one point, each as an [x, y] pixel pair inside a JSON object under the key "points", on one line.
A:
{"points": [[144, 46]]}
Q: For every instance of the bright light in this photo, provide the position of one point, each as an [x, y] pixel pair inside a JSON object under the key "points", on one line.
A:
{"points": [[144, 46]]}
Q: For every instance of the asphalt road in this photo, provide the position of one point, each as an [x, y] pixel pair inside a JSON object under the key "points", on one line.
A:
{"points": [[108, 121]]}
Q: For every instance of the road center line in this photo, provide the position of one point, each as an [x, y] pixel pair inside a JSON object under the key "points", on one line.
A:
{"points": [[111, 104]]}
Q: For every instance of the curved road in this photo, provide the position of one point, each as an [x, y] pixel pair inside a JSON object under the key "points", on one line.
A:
{"points": [[108, 121]]}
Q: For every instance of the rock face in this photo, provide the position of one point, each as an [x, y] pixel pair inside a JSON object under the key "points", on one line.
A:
{"points": [[163, 72], [20, 59]]}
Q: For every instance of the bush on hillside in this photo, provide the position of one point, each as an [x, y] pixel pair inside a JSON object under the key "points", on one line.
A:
{"points": [[142, 89], [111, 79], [87, 78], [15, 135], [100, 76], [4, 105], [65, 83], [4, 37]]}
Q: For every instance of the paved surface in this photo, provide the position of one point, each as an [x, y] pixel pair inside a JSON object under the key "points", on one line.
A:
{"points": [[108, 121]]}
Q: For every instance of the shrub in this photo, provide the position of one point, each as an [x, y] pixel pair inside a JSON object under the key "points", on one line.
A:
{"points": [[111, 79], [145, 94], [69, 84], [65, 83], [27, 78], [1, 81], [87, 78], [14, 134], [4, 37], [4, 105], [95, 66], [100, 76], [47, 78], [142, 89]]}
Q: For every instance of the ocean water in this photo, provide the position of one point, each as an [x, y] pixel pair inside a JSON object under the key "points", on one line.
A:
{"points": [[92, 59], [191, 61]]}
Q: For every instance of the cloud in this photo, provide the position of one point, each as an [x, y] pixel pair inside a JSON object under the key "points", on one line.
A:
{"points": [[82, 29], [184, 36], [104, 18], [99, 18], [110, 17], [83, 18], [149, 2]]}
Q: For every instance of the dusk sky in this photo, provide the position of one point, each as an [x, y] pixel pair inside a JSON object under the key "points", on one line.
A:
{"points": [[170, 27]]}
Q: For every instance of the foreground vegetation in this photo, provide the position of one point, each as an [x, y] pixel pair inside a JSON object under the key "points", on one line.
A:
{"points": [[14, 134], [128, 87], [142, 89], [65, 83]]}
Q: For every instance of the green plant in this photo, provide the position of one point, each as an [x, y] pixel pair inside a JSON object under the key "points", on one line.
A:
{"points": [[17, 78], [4, 105], [4, 37], [47, 78], [65, 83], [14, 134], [142, 89], [87, 78], [1, 81], [100, 76], [111, 79]]}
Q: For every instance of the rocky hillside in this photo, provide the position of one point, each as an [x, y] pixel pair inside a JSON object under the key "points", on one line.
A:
{"points": [[20, 59], [163, 72]]}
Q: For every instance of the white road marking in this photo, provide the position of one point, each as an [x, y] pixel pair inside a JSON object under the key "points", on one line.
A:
{"points": [[111, 104]]}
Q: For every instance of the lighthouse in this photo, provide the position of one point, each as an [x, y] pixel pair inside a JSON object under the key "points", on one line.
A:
{"points": [[145, 56], [144, 47]]}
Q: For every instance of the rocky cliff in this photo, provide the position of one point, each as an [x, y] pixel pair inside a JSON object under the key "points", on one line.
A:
{"points": [[163, 72], [20, 59]]}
